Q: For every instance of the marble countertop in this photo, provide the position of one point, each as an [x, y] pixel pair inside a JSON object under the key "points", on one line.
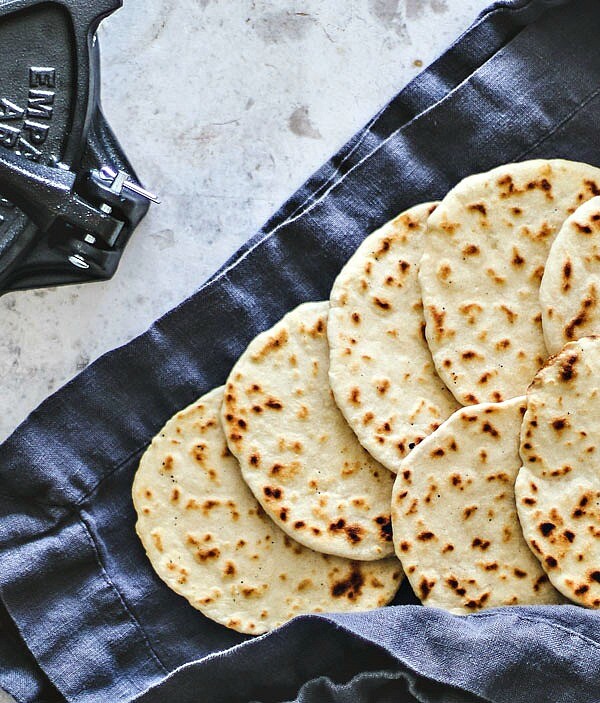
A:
{"points": [[224, 108]]}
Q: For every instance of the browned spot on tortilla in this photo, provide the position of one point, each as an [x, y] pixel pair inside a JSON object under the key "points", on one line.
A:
{"points": [[591, 187], [510, 315], [477, 207], [354, 533], [471, 311], [381, 303], [517, 259], [496, 277], [449, 227], [273, 404], [490, 429], [546, 528], [354, 397], [205, 555], [302, 412], [273, 343], [567, 270], [383, 386], [582, 316], [385, 246], [452, 581], [275, 493], [208, 505], [567, 370], [479, 543], [425, 536], [318, 328], [507, 186], [156, 538], [477, 603], [425, 587], [385, 527], [444, 271], [350, 586], [551, 562], [438, 319], [470, 250]]}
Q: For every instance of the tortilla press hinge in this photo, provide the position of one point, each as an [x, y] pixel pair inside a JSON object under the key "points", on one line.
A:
{"points": [[69, 198], [118, 197], [83, 215]]}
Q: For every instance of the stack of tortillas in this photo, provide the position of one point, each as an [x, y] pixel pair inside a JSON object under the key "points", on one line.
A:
{"points": [[339, 448]]}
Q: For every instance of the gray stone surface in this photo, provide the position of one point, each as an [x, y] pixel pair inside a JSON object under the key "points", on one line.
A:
{"points": [[224, 108]]}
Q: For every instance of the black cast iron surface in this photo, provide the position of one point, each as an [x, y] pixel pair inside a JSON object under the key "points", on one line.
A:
{"points": [[54, 137]]}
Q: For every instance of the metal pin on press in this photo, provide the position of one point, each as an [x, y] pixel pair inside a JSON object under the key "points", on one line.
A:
{"points": [[69, 198]]}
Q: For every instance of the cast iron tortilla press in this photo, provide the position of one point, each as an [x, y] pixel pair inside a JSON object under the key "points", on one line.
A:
{"points": [[69, 198]]}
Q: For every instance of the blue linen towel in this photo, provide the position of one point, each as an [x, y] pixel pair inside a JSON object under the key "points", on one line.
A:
{"points": [[94, 623]]}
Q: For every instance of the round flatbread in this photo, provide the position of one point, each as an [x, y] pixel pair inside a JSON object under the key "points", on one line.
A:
{"points": [[558, 488], [570, 290], [455, 522], [209, 540], [381, 371], [484, 258], [297, 453]]}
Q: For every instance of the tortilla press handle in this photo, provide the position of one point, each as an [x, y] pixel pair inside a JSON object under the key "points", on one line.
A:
{"points": [[49, 197]]}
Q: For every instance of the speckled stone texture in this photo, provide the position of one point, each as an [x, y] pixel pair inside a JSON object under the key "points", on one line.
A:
{"points": [[224, 108]]}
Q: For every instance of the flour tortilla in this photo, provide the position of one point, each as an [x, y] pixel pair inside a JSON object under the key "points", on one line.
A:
{"points": [[480, 274], [297, 453], [558, 488], [455, 523], [570, 290], [209, 540], [381, 371]]}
